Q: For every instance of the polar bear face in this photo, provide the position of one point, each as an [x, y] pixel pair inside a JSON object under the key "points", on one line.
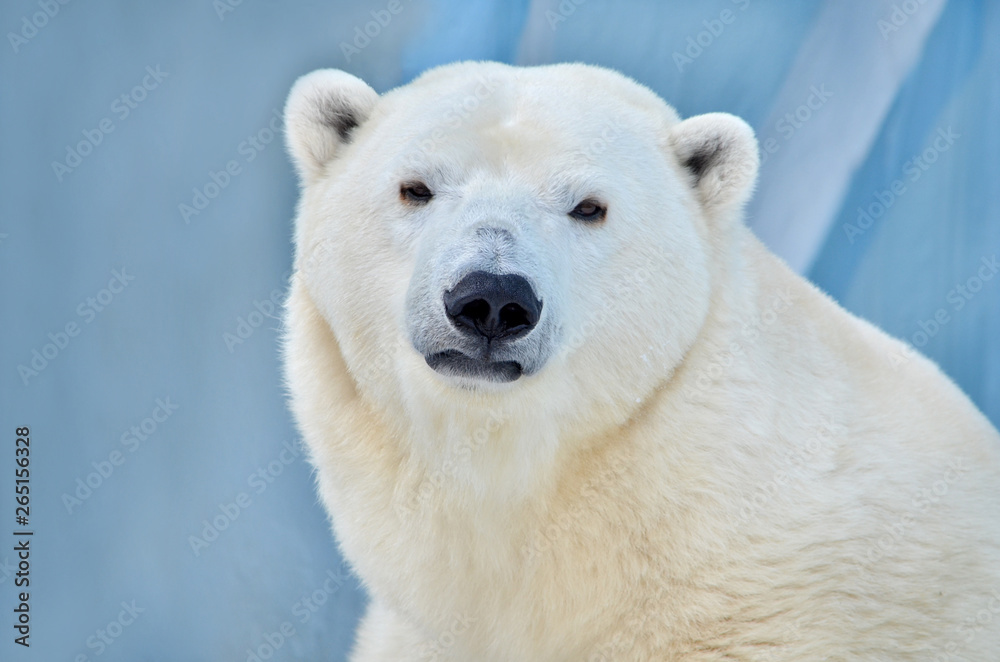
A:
{"points": [[528, 239]]}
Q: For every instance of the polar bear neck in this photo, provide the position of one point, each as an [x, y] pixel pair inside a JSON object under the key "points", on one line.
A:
{"points": [[486, 450]]}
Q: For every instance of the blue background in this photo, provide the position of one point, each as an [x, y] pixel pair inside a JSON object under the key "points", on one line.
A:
{"points": [[164, 336]]}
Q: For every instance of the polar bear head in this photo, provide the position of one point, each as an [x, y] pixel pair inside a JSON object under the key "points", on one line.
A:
{"points": [[538, 241]]}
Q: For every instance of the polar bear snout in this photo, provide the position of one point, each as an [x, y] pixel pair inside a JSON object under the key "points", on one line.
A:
{"points": [[493, 307], [474, 306], [488, 314]]}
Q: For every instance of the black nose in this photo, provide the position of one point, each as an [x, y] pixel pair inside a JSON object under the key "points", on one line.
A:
{"points": [[493, 306]]}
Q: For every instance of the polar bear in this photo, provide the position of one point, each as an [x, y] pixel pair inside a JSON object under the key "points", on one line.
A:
{"points": [[564, 406]]}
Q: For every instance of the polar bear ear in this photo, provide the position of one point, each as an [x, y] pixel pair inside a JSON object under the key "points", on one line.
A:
{"points": [[322, 110], [720, 152]]}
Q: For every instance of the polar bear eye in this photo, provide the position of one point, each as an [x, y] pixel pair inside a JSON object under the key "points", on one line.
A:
{"points": [[415, 192], [589, 210]]}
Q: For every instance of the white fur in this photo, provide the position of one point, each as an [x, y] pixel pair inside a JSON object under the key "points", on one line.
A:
{"points": [[714, 462]]}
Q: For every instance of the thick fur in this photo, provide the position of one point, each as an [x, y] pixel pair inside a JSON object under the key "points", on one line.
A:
{"points": [[714, 461]]}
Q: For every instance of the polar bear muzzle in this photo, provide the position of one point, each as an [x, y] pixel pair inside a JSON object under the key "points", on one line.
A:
{"points": [[490, 311]]}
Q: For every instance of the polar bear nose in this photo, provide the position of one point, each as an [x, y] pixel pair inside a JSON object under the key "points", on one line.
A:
{"points": [[494, 306]]}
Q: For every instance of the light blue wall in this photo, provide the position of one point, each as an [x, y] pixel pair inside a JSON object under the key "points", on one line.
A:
{"points": [[916, 259], [164, 335]]}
